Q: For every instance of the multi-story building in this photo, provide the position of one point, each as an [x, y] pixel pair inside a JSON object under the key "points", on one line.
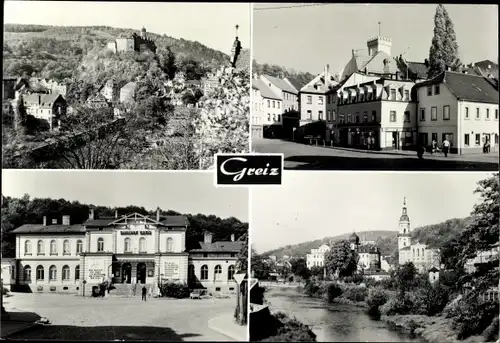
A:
{"points": [[317, 257], [134, 43], [48, 107], [462, 108], [369, 257], [285, 90], [258, 114], [272, 104], [127, 92], [378, 115], [422, 256], [58, 256]]}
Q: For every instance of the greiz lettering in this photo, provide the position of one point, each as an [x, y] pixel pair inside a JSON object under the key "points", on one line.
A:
{"points": [[238, 175]]}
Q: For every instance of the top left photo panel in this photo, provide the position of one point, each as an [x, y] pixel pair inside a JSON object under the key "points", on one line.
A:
{"points": [[124, 85]]}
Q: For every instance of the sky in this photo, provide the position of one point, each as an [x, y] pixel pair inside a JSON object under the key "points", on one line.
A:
{"points": [[308, 207], [184, 192], [309, 37], [211, 24]]}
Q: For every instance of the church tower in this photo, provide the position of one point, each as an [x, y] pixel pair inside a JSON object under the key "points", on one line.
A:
{"points": [[404, 236]]}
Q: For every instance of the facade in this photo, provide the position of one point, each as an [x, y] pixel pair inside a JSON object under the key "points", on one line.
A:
{"points": [[210, 82], [285, 90], [97, 101], [462, 108], [134, 43], [127, 92], [258, 115], [378, 115], [272, 104], [369, 257], [49, 107], [422, 256], [317, 256], [482, 257], [109, 91]]}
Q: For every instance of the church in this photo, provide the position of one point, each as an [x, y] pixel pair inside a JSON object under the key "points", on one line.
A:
{"points": [[61, 257]]}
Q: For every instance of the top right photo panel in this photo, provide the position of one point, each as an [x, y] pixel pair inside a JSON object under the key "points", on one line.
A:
{"points": [[376, 86]]}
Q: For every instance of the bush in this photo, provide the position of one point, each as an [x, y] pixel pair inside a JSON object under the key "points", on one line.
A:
{"points": [[431, 300], [376, 298], [357, 279], [333, 291], [174, 290], [312, 289], [355, 293], [290, 330], [398, 305], [491, 332]]}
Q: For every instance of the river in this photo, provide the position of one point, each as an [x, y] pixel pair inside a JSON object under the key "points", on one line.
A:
{"points": [[333, 322]]}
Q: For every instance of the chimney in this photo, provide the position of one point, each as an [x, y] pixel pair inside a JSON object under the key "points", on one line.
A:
{"points": [[232, 237], [353, 52], [327, 79], [208, 237], [39, 100], [44, 220], [91, 214], [158, 214], [66, 220], [116, 214]]}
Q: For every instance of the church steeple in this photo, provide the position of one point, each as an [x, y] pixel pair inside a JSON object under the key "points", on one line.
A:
{"points": [[404, 214]]}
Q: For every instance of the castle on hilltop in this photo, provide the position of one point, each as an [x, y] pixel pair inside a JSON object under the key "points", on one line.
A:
{"points": [[133, 43]]}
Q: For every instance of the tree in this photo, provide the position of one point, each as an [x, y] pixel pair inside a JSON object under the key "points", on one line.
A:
{"points": [[341, 260], [318, 271], [444, 48], [260, 269], [405, 276], [242, 262], [299, 268]]}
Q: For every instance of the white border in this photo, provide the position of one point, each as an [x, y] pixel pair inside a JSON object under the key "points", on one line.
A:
{"points": [[250, 154]]}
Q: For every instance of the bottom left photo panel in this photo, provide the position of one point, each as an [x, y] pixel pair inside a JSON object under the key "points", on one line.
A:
{"points": [[123, 256]]}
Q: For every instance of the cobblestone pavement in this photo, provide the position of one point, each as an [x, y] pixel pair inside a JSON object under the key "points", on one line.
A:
{"points": [[111, 318], [307, 157]]}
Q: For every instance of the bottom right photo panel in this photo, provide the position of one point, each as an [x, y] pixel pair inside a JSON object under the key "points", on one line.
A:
{"points": [[375, 257]]}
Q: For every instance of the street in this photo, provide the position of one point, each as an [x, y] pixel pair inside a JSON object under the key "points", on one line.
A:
{"points": [[306, 157], [117, 318]]}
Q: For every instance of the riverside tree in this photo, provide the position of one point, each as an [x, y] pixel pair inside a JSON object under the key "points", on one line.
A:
{"points": [[444, 48], [341, 260]]}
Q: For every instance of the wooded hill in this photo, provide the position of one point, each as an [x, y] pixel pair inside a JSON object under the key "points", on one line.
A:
{"points": [[25, 210], [302, 78], [435, 235]]}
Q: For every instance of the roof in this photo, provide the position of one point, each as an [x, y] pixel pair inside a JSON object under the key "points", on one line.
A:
{"points": [[165, 220], [281, 84], [405, 248], [433, 270], [404, 218], [40, 228], [46, 100], [418, 68], [298, 85], [319, 81], [368, 249], [466, 87], [265, 91], [220, 246]]}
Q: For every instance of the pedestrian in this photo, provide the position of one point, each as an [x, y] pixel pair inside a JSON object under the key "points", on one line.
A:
{"points": [[434, 146], [420, 151], [486, 147], [446, 147], [144, 293]]}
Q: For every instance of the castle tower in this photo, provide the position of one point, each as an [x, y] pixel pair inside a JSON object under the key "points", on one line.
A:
{"points": [[404, 236], [143, 32], [379, 44]]}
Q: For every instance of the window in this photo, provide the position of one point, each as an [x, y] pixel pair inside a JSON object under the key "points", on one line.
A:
{"points": [[349, 118], [100, 244], [274, 117], [434, 113], [274, 104], [320, 115], [218, 272], [407, 95], [496, 114], [329, 116], [320, 100], [393, 94], [27, 247], [357, 117], [268, 117], [268, 104], [77, 272], [407, 116], [477, 113], [79, 246], [279, 117], [487, 114], [365, 117], [369, 96], [170, 244], [142, 244], [127, 245], [342, 118], [423, 138], [374, 115], [392, 116], [478, 139], [27, 273], [436, 90], [309, 114], [39, 273], [429, 91], [52, 273], [434, 136], [53, 247], [466, 139], [309, 99], [333, 116], [66, 247], [278, 104], [466, 113], [204, 272], [40, 248], [446, 112], [496, 138], [65, 273], [422, 114], [361, 97]]}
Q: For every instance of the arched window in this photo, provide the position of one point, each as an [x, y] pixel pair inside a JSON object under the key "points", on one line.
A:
{"points": [[230, 273], [27, 273], [142, 244], [100, 244], [52, 273], [218, 272], [65, 272], [127, 245], [40, 248], [191, 275], [170, 243], [204, 272], [66, 247], [79, 246], [77, 272], [27, 247], [39, 273], [53, 247]]}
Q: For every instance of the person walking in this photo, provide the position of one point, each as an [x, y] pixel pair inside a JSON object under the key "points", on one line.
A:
{"points": [[144, 293], [446, 147], [486, 147], [434, 146], [420, 151]]}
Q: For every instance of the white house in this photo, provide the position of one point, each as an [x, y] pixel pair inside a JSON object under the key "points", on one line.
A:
{"points": [[317, 256]]}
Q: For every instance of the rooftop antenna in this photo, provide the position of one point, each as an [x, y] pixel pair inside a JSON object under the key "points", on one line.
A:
{"points": [[379, 28]]}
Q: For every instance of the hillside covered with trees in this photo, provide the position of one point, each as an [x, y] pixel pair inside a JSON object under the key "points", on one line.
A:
{"points": [[27, 210], [278, 71]]}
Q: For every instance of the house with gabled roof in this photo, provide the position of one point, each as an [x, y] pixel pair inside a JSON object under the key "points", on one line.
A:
{"points": [[47, 107], [285, 90], [267, 107]]}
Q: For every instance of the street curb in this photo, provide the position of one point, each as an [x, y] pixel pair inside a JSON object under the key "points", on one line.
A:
{"points": [[24, 328], [223, 331]]}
